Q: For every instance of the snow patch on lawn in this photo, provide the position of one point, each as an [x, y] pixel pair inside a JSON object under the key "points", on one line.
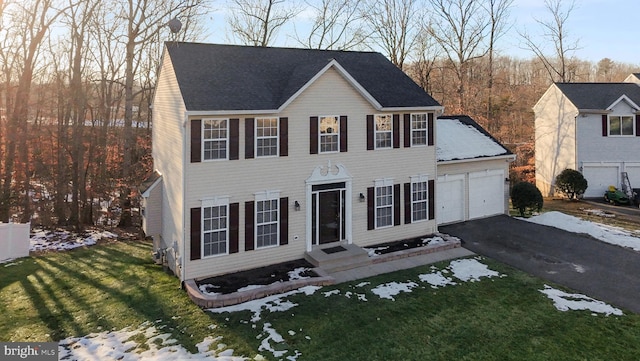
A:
{"points": [[573, 301], [388, 290], [274, 303], [470, 270], [118, 345], [61, 240], [609, 234]]}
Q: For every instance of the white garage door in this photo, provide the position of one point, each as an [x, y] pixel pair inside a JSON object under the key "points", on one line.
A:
{"points": [[634, 175], [486, 193], [451, 202], [600, 177]]}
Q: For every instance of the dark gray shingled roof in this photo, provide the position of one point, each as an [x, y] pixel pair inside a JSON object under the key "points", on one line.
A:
{"points": [[232, 77], [599, 95]]}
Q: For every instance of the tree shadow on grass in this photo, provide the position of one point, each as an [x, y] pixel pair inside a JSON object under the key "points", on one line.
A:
{"points": [[114, 277]]}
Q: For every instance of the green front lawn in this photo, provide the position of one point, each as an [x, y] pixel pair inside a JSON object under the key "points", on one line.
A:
{"points": [[113, 286]]}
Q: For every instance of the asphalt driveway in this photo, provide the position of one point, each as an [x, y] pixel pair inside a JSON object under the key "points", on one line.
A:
{"points": [[603, 271]]}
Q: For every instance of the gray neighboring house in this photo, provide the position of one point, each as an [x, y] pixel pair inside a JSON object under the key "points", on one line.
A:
{"points": [[473, 171], [590, 127]]}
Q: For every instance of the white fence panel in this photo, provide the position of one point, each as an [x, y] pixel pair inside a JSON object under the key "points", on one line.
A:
{"points": [[14, 240]]}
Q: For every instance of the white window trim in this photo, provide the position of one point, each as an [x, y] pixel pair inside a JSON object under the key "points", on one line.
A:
{"points": [[421, 178], [426, 129], [255, 145], [633, 122], [386, 182], [268, 195], [204, 140], [216, 201], [376, 132], [320, 151]]}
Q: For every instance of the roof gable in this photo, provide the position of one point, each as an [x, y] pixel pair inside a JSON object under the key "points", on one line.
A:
{"points": [[600, 96], [229, 77], [458, 137]]}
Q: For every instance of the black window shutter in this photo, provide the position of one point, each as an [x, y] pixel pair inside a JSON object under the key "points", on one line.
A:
{"points": [[432, 199], [371, 208], [396, 204], [637, 125], [234, 141], [234, 239], [343, 133], [196, 140], [249, 210], [249, 130], [407, 203], [371, 141], [284, 220], [605, 123], [195, 233], [284, 136], [430, 128], [396, 130], [407, 130], [313, 135]]}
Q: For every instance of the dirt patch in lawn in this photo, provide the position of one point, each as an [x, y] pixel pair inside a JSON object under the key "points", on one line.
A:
{"points": [[253, 278]]}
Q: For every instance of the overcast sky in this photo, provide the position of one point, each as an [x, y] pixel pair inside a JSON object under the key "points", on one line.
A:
{"points": [[603, 28]]}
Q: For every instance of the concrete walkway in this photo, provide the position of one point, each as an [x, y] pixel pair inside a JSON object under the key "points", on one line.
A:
{"points": [[398, 264]]}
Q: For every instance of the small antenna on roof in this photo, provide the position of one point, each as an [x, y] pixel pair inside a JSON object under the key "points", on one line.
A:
{"points": [[174, 26]]}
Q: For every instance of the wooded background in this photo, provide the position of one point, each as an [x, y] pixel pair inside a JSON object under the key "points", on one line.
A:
{"points": [[77, 80]]}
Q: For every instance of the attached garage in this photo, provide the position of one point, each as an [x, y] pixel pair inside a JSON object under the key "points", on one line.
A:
{"points": [[486, 193], [601, 175], [451, 199], [472, 171]]}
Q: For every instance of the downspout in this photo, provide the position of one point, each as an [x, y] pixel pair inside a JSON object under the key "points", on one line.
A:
{"points": [[183, 260]]}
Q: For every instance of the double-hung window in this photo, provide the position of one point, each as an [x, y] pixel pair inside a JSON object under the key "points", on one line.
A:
{"points": [[384, 203], [215, 138], [215, 230], [266, 137], [419, 198], [621, 125], [267, 216], [383, 131], [329, 134], [418, 129]]}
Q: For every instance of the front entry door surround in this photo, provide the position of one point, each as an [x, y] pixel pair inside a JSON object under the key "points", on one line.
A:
{"points": [[328, 210]]}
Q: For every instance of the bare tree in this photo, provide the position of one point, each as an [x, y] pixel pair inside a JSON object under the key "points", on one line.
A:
{"points": [[256, 22], [32, 21], [143, 20], [499, 12], [460, 27], [427, 53], [559, 64], [395, 26], [336, 25]]}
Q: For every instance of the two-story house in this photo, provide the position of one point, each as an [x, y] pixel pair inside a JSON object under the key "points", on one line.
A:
{"points": [[590, 127], [263, 154]]}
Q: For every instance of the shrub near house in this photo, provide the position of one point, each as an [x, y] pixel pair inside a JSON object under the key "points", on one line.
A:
{"points": [[571, 183]]}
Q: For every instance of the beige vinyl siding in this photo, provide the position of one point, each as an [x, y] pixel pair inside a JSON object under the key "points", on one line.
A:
{"points": [[168, 142], [555, 137], [466, 167], [240, 179]]}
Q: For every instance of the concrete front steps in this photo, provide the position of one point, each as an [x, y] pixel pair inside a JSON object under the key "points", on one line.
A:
{"points": [[350, 257]]}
